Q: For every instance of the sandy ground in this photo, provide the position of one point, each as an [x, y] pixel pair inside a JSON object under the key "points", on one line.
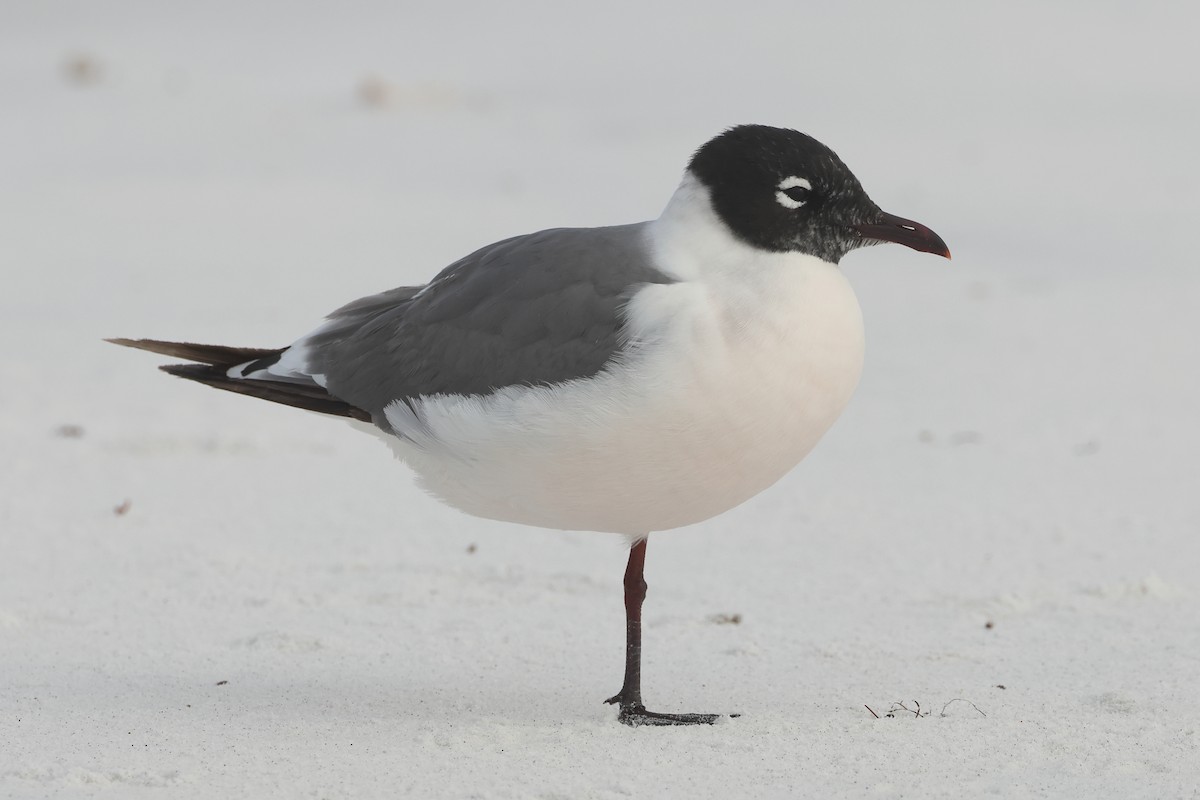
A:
{"points": [[204, 596]]}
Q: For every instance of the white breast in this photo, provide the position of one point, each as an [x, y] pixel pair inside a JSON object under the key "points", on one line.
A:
{"points": [[733, 375]]}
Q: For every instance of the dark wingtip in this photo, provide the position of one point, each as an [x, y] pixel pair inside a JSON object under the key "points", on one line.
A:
{"points": [[217, 355], [297, 395], [192, 371], [153, 345]]}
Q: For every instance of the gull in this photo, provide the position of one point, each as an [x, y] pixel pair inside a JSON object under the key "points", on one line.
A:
{"points": [[628, 379]]}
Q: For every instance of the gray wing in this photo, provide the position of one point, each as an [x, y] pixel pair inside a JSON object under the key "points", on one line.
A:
{"points": [[536, 309]]}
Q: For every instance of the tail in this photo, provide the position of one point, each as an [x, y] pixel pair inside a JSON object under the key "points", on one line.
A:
{"points": [[213, 370]]}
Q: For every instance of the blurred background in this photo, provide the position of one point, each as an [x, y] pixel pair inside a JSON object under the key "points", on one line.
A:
{"points": [[1021, 451], [232, 172]]}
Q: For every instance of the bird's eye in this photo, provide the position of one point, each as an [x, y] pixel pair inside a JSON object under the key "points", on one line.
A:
{"points": [[793, 192]]}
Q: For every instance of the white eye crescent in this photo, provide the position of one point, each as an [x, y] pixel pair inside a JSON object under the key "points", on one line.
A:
{"points": [[793, 192]]}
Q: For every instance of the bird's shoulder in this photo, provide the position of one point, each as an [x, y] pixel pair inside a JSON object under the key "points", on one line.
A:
{"points": [[506, 274], [535, 309]]}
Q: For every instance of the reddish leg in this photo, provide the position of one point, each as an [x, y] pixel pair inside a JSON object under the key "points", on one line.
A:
{"points": [[633, 712]]}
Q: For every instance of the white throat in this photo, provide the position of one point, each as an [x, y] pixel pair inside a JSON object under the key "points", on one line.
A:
{"points": [[690, 241]]}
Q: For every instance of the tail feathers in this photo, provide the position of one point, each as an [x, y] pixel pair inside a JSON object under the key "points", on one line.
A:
{"points": [[213, 370], [214, 354], [299, 395]]}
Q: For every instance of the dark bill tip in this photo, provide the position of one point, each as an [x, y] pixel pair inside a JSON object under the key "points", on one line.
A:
{"points": [[890, 228]]}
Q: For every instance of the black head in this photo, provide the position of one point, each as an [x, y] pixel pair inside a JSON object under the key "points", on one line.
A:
{"points": [[780, 190]]}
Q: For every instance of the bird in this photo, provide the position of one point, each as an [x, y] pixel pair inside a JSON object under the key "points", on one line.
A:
{"points": [[629, 379]]}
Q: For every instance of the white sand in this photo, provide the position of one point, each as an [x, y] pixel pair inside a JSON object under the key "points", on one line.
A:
{"points": [[280, 614]]}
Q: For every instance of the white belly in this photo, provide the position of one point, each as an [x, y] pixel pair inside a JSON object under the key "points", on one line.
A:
{"points": [[726, 393]]}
